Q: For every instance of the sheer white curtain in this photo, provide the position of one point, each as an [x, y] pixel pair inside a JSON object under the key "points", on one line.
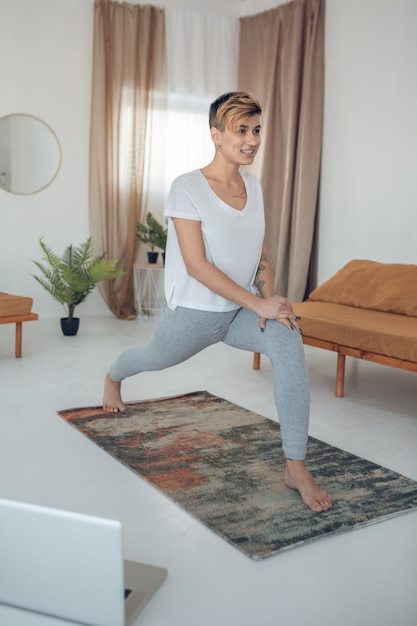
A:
{"points": [[202, 63]]}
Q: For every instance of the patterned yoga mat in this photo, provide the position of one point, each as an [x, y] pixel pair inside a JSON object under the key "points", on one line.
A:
{"points": [[223, 464]]}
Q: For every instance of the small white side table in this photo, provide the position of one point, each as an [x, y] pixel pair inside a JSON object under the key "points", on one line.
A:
{"points": [[149, 291]]}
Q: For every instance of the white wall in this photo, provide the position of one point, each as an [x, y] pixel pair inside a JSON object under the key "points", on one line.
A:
{"points": [[46, 52], [368, 195], [368, 206]]}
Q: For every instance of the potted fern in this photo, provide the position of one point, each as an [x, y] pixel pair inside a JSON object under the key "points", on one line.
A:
{"points": [[71, 277], [154, 235]]}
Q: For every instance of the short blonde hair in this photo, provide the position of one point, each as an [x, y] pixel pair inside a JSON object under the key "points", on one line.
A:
{"points": [[230, 108]]}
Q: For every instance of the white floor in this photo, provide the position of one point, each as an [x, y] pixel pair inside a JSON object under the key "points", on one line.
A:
{"points": [[366, 577]]}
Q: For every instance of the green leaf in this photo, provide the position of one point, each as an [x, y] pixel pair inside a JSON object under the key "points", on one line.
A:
{"points": [[70, 278]]}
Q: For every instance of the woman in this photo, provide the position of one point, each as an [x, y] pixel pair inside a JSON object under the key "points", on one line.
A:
{"points": [[219, 287]]}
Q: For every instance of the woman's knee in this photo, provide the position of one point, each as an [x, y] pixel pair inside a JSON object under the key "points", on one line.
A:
{"points": [[282, 341]]}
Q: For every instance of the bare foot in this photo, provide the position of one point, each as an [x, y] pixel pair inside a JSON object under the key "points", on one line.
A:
{"points": [[112, 400], [298, 477]]}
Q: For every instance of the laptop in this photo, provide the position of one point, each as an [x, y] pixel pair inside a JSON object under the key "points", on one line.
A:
{"points": [[69, 566]]}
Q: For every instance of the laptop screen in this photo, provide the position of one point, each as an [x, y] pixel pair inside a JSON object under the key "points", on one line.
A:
{"points": [[61, 564]]}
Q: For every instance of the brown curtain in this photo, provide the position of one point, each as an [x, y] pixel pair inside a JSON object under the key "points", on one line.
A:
{"points": [[282, 63], [128, 70]]}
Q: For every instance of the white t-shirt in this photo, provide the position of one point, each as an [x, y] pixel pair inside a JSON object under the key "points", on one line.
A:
{"points": [[232, 238]]}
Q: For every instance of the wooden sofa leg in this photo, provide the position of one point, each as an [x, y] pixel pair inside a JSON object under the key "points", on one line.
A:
{"points": [[18, 341], [256, 360], [340, 375]]}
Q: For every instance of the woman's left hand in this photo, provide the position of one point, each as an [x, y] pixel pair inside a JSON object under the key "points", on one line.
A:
{"points": [[290, 321]]}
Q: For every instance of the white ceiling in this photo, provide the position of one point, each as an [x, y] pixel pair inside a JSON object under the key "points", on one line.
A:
{"points": [[228, 7]]}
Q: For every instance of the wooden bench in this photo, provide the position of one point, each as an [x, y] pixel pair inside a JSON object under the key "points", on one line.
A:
{"points": [[342, 353], [368, 311], [16, 310], [18, 319]]}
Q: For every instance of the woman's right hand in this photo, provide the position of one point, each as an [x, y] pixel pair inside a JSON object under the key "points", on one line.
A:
{"points": [[276, 308]]}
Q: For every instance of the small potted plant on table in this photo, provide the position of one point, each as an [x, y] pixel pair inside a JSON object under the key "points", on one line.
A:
{"points": [[71, 277], [154, 235]]}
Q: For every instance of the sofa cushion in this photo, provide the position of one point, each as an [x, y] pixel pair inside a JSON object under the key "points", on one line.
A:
{"points": [[390, 287], [14, 305], [383, 333]]}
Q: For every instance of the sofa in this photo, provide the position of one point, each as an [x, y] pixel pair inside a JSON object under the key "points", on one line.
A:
{"points": [[367, 310], [16, 310]]}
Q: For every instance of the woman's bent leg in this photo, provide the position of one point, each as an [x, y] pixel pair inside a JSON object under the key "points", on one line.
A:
{"points": [[284, 349], [291, 387]]}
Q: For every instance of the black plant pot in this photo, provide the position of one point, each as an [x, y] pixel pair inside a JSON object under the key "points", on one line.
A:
{"points": [[152, 257], [70, 326]]}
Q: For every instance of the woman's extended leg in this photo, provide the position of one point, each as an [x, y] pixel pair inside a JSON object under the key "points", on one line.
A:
{"points": [[178, 335], [285, 350]]}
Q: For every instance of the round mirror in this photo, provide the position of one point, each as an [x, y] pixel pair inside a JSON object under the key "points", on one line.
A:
{"points": [[30, 154]]}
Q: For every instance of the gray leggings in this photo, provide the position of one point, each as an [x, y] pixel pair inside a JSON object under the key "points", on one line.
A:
{"points": [[181, 333]]}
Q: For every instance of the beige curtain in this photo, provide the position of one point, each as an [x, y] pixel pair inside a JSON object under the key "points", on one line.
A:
{"points": [[128, 72], [282, 63]]}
